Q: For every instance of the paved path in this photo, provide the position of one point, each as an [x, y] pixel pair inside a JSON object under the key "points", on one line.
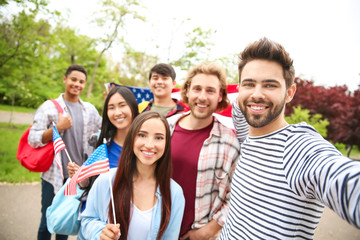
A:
{"points": [[20, 207], [16, 117]]}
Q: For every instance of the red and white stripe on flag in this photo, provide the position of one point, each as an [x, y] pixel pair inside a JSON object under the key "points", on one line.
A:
{"points": [[71, 187], [58, 145], [96, 168], [84, 172]]}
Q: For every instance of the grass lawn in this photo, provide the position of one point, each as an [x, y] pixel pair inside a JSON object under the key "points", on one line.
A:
{"points": [[10, 168], [16, 109]]}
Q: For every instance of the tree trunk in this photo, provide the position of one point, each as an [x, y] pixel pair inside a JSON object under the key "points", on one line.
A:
{"points": [[110, 41], [92, 80], [349, 148], [12, 108]]}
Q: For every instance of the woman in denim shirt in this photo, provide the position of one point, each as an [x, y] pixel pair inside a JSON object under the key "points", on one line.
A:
{"points": [[150, 205]]}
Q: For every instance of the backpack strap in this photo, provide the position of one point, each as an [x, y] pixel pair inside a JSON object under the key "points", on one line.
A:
{"points": [[57, 105]]}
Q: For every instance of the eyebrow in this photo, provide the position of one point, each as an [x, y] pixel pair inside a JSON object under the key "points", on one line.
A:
{"points": [[123, 101], [263, 81], [144, 131], [206, 87]]}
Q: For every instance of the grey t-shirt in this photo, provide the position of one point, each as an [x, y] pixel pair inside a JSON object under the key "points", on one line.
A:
{"points": [[73, 137], [162, 110]]}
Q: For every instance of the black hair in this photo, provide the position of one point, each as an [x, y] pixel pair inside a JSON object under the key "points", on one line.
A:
{"points": [[75, 67], [163, 69]]}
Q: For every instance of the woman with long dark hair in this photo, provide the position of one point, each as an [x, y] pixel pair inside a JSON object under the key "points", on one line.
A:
{"points": [[147, 203], [120, 108]]}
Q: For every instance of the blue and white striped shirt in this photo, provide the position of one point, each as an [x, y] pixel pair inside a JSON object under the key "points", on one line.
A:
{"points": [[282, 182]]}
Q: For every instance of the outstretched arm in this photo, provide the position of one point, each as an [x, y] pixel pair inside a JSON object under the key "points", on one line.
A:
{"points": [[240, 124]]}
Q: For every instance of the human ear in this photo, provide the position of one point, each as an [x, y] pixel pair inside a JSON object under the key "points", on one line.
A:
{"points": [[290, 93]]}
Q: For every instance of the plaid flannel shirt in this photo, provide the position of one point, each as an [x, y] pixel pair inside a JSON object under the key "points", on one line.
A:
{"points": [[216, 165], [45, 115]]}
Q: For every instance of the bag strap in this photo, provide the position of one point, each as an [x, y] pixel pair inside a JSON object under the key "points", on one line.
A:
{"points": [[57, 105]]}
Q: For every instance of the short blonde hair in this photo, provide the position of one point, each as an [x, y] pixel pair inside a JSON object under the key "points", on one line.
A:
{"points": [[210, 68]]}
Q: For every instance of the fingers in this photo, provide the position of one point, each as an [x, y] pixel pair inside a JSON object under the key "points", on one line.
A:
{"points": [[110, 232], [72, 168], [105, 95], [184, 237], [65, 122]]}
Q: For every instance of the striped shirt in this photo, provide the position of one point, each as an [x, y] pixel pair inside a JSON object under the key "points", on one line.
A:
{"points": [[217, 161], [45, 115], [282, 182]]}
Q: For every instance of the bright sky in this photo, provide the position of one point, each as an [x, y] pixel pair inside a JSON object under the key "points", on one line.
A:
{"points": [[323, 36]]}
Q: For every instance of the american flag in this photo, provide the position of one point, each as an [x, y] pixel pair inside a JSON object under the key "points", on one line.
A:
{"points": [[141, 93], [97, 163], [58, 146]]}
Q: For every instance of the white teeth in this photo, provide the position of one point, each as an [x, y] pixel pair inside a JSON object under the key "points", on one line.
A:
{"points": [[200, 105], [119, 119], [257, 108], [148, 153]]}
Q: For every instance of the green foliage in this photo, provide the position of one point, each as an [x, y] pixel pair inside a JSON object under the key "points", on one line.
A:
{"points": [[230, 65], [344, 149], [10, 168], [337, 104], [34, 57], [23, 51], [113, 16], [198, 46], [134, 68], [9, 108], [303, 115]]}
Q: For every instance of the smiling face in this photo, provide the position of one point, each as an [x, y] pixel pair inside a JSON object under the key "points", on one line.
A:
{"points": [[149, 143], [74, 85], [204, 95], [263, 95], [161, 86], [119, 112]]}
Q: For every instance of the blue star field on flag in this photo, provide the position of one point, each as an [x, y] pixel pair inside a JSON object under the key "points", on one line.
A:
{"points": [[141, 93]]}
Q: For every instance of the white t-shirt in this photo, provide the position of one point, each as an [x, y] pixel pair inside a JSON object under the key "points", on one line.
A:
{"points": [[140, 223]]}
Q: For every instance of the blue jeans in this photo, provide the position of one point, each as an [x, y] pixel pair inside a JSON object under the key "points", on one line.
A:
{"points": [[47, 195]]}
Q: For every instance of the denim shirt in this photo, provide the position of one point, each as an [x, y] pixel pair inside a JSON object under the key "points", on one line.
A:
{"points": [[95, 216]]}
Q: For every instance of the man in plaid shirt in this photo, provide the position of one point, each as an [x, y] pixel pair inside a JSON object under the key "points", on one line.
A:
{"points": [[204, 152], [76, 125]]}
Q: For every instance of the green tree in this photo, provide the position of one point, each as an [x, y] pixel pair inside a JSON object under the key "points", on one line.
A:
{"points": [[24, 47], [34, 56], [36, 3], [133, 70], [198, 47], [113, 16], [72, 48], [230, 65], [303, 115]]}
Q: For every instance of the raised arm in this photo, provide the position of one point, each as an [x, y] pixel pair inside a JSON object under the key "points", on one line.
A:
{"points": [[240, 124]]}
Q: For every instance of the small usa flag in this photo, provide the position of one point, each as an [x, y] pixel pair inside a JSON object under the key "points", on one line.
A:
{"points": [[141, 93], [58, 146], [97, 163]]}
